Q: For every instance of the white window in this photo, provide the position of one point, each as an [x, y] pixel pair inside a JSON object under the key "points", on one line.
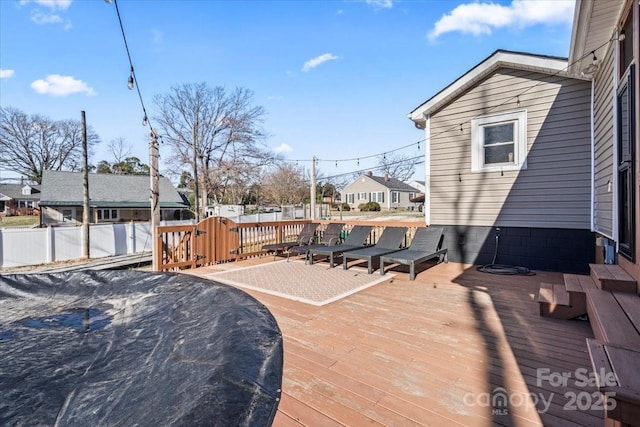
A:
{"points": [[26, 204], [395, 197], [499, 142], [377, 196], [350, 198], [107, 214], [362, 196], [67, 215]]}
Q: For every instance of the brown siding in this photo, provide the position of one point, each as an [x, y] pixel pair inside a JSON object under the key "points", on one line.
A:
{"points": [[554, 190]]}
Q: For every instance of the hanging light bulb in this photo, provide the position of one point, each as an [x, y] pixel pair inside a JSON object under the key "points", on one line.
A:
{"points": [[461, 128], [358, 162], [130, 81], [418, 146], [144, 120], [336, 163]]}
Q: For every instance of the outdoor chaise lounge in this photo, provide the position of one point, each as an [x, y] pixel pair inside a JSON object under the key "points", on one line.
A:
{"points": [[426, 245], [305, 237], [355, 240], [390, 241], [330, 237]]}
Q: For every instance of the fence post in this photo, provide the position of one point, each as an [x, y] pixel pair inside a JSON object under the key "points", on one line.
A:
{"points": [[50, 257], [132, 237]]}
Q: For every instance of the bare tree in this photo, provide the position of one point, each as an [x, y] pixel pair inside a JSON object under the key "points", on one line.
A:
{"points": [[227, 127], [399, 166], [285, 186], [119, 149], [32, 144]]}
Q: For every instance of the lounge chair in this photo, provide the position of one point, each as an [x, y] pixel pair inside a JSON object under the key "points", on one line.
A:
{"points": [[426, 245], [389, 241], [305, 237], [355, 240], [331, 236]]}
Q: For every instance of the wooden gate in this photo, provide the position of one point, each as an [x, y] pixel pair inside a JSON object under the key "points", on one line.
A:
{"points": [[217, 240], [212, 240]]}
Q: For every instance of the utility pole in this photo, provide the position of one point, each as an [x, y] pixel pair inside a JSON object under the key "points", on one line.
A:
{"points": [[85, 189], [194, 135], [155, 195], [313, 188]]}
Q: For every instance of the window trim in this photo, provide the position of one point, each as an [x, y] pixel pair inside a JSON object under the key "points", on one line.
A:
{"points": [[395, 197], [350, 198], [519, 119], [362, 195]]}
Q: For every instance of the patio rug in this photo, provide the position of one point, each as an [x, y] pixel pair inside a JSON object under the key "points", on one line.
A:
{"points": [[315, 284]]}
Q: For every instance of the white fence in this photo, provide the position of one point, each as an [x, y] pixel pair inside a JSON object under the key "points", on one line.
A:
{"points": [[21, 247]]}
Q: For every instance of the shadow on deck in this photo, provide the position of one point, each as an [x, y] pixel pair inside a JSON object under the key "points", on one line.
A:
{"points": [[454, 347]]}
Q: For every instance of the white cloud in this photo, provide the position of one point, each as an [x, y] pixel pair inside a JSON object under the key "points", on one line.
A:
{"points": [[482, 18], [283, 148], [314, 62], [51, 16], [51, 4], [383, 4], [6, 74], [57, 85]]}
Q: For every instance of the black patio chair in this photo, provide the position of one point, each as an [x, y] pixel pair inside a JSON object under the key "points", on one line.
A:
{"points": [[305, 237], [356, 239], [426, 245], [389, 241], [332, 235]]}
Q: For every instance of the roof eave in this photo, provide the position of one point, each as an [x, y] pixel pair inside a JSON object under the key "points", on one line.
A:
{"points": [[499, 59]]}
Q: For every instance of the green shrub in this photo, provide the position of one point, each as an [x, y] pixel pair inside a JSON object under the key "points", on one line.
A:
{"points": [[369, 207], [346, 207]]}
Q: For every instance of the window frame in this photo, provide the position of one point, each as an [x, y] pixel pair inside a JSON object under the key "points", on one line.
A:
{"points": [[377, 196], [362, 195], [519, 119], [350, 198], [100, 214], [395, 197]]}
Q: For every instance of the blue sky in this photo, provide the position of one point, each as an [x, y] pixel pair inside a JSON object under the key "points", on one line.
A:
{"points": [[336, 78]]}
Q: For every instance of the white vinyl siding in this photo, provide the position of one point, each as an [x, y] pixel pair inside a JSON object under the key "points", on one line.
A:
{"points": [[554, 190], [603, 155]]}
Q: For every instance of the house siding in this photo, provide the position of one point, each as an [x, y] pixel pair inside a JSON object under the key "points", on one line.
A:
{"points": [[603, 147], [554, 190]]}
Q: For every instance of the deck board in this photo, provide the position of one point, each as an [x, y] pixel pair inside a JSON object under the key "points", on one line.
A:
{"points": [[408, 352]]}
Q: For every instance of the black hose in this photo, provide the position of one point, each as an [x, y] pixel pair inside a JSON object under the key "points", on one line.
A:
{"points": [[494, 268]]}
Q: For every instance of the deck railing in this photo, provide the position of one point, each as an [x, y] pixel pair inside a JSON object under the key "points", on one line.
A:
{"points": [[216, 240]]}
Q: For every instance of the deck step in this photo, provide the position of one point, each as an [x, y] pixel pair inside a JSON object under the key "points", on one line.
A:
{"points": [[555, 301], [611, 277], [614, 317], [578, 283]]}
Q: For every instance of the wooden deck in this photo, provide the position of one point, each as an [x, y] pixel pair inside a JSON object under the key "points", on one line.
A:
{"points": [[445, 349]]}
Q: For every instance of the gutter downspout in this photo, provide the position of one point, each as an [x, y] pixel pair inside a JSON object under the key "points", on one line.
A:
{"points": [[427, 170], [593, 155]]}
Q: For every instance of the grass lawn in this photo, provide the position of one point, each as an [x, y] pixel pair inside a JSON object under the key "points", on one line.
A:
{"points": [[19, 221]]}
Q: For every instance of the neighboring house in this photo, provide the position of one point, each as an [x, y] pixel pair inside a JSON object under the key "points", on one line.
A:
{"points": [[508, 153], [418, 185], [112, 198], [605, 46], [19, 199], [389, 193]]}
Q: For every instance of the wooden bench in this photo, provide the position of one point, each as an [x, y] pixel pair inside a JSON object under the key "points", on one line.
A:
{"points": [[615, 353]]}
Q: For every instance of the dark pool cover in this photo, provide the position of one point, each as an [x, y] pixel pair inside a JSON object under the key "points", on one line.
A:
{"points": [[126, 348]]}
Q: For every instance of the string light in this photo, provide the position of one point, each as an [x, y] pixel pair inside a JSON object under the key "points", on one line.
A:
{"points": [[145, 121], [518, 100], [130, 81]]}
